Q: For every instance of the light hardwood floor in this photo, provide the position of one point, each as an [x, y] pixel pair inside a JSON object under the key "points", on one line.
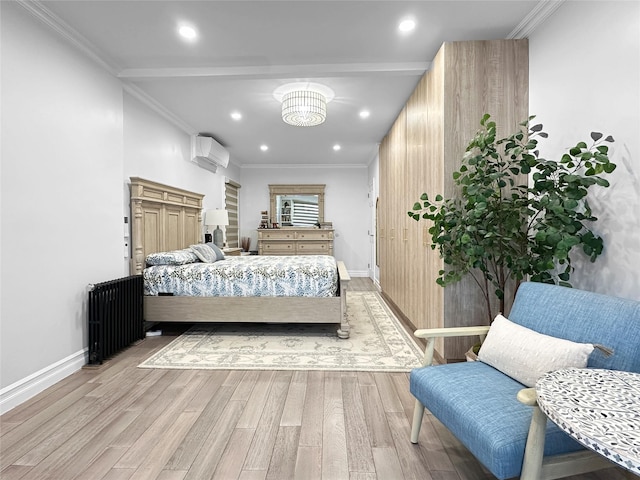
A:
{"points": [[118, 422]]}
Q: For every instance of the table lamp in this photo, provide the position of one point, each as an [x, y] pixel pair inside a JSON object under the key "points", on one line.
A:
{"points": [[217, 217]]}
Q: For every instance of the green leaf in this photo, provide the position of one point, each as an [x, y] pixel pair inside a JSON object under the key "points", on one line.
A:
{"points": [[595, 136], [570, 204], [571, 178]]}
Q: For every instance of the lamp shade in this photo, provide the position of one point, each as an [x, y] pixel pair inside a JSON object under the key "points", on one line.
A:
{"points": [[216, 217]]}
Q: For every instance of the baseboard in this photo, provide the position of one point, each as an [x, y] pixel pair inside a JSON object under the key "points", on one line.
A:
{"points": [[22, 390], [358, 273]]}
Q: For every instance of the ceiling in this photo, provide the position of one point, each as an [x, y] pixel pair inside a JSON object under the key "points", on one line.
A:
{"points": [[247, 49]]}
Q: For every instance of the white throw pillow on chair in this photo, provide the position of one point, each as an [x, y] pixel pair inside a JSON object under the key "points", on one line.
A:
{"points": [[525, 355]]}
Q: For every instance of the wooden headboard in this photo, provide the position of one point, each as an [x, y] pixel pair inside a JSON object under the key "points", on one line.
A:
{"points": [[163, 218]]}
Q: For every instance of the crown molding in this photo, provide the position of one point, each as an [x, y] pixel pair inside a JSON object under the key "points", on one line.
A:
{"points": [[281, 166], [46, 16], [537, 16], [152, 103]]}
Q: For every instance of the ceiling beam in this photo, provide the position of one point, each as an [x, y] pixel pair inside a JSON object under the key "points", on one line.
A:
{"points": [[281, 71]]}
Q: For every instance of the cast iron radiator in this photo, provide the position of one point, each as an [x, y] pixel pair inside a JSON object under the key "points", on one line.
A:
{"points": [[115, 317]]}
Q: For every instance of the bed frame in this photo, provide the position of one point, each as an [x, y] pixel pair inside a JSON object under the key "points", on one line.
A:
{"points": [[167, 218]]}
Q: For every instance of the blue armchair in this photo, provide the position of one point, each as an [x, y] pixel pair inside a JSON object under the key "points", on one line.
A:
{"points": [[491, 413]]}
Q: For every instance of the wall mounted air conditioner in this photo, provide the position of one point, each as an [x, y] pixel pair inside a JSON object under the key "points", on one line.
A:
{"points": [[208, 153]]}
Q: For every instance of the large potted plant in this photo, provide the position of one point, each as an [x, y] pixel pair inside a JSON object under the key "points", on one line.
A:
{"points": [[501, 228]]}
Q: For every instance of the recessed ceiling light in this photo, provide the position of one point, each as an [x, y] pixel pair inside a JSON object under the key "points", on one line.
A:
{"points": [[264, 148], [236, 115], [336, 147], [407, 25], [187, 32], [364, 114]]}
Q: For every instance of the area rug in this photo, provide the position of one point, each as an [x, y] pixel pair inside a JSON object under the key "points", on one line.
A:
{"points": [[378, 342]]}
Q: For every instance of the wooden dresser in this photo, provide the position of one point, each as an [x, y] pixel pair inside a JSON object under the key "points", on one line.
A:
{"points": [[295, 241]]}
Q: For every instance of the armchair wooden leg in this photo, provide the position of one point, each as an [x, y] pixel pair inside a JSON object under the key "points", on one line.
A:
{"points": [[418, 413], [534, 450]]}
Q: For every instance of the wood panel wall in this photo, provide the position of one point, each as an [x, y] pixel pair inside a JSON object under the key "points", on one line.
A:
{"points": [[420, 153]]}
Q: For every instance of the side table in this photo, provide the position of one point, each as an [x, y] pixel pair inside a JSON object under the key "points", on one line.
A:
{"points": [[598, 408]]}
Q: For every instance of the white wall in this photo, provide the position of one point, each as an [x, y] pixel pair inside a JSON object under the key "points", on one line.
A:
{"points": [[584, 77], [346, 205], [61, 194], [71, 138], [157, 150]]}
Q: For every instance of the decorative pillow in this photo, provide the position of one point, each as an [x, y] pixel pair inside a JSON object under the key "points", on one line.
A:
{"points": [[204, 252], [219, 252], [525, 354], [174, 257]]}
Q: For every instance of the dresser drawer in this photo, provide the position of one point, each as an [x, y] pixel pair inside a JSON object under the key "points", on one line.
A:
{"points": [[315, 235], [278, 248], [313, 248], [295, 241], [276, 235]]}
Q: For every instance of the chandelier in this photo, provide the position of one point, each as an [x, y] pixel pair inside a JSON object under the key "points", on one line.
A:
{"points": [[304, 104]]}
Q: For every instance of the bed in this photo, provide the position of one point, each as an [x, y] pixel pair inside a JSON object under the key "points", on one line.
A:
{"points": [[167, 220]]}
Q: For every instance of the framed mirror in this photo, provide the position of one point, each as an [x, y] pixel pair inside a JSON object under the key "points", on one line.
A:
{"points": [[296, 205]]}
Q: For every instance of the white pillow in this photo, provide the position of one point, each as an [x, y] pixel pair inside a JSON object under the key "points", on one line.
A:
{"points": [[525, 355], [204, 252]]}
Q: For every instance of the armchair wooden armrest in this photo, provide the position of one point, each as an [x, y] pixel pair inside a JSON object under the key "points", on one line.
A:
{"points": [[527, 396], [430, 334]]}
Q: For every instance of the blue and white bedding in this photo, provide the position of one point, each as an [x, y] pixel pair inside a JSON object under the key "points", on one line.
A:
{"points": [[247, 276]]}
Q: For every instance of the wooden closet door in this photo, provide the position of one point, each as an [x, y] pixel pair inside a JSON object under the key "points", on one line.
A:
{"points": [[423, 148], [397, 213], [480, 77], [416, 174], [384, 263], [432, 302]]}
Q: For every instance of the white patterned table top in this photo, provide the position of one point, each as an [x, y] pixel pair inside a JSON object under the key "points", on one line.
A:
{"points": [[598, 408]]}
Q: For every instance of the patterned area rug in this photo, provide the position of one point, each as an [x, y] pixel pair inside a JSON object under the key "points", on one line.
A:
{"points": [[378, 342]]}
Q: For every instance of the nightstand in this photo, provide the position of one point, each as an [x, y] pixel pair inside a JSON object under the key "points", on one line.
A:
{"points": [[231, 252]]}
